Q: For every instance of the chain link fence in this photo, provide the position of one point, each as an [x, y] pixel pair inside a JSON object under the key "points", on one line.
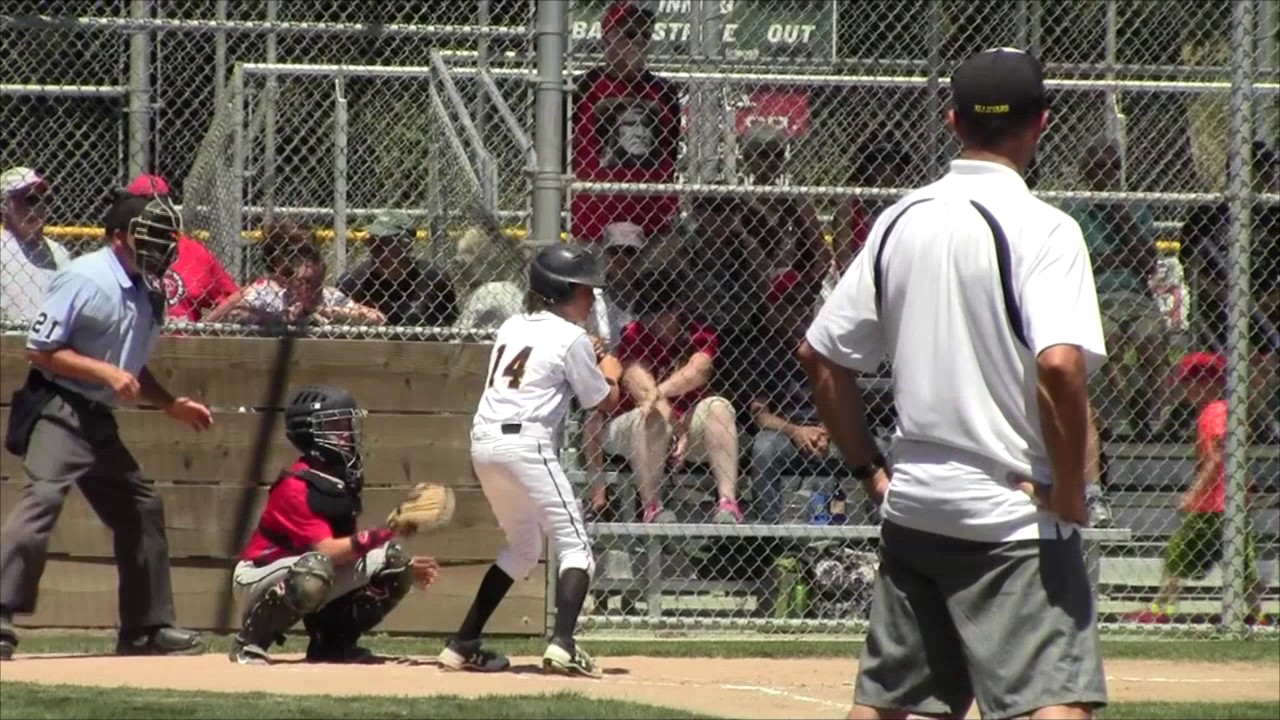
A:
{"points": [[738, 172], [367, 168], [362, 169]]}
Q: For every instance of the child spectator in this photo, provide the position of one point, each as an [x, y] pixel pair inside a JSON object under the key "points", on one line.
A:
{"points": [[1198, 542]]}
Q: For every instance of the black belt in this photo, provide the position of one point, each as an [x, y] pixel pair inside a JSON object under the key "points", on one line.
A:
{"points": [[76, 400], [511, 428]]}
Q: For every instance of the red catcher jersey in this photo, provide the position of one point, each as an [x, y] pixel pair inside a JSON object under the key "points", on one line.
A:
{"points": [[624, 132]]}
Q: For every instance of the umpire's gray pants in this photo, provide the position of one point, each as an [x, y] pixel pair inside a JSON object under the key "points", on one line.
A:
{"points": [[79, 446], [249, 582]]}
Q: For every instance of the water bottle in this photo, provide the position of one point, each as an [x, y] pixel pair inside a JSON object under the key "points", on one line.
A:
{"points": [[800, 598], [839, 508], [820, 513], [787, 572]]}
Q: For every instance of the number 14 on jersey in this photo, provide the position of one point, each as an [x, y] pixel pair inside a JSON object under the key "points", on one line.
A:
{"points": [[514, 371]]}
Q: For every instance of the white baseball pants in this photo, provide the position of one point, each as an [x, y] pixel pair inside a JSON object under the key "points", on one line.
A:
{"points": [[531, 497]]}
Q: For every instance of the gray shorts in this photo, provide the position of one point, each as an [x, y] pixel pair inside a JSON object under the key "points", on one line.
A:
{"points": [[1010, 624]]}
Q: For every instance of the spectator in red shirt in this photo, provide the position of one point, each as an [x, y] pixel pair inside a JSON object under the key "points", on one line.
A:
{"points": [[196, 282], [307, 560], [626, 127], [1198, 542], [666, 412]]}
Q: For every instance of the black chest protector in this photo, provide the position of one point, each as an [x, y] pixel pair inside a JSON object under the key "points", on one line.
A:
{"points": [[329, 498]]}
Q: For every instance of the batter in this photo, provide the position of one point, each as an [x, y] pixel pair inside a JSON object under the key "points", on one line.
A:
{"points": [[541, 360]]}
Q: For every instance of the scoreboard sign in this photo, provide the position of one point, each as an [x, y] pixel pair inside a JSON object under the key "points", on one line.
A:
{"points": [[750, 29]]}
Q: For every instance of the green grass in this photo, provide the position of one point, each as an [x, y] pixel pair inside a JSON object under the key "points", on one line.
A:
{"points": [[1258, 650], [1182, 711], [27, 700]]}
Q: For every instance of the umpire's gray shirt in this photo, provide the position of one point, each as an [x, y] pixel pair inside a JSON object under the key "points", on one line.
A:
{"points": [[95, 308]]}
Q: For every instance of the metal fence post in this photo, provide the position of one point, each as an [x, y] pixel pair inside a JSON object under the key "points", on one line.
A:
{"points": [[1266, 116], [339, 176], [139, 158], [238, 172], [548, 137], [933, 100], [269, 117], [220, 59], [1240, 195]]}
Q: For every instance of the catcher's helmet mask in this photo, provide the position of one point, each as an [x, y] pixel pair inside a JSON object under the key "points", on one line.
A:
{"points": [[555, 269], [327, 426]]}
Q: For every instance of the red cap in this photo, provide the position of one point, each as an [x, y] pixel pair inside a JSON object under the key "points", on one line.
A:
{"points": [[787, 282], [146, 184], [626, 14], [1202, 366]]}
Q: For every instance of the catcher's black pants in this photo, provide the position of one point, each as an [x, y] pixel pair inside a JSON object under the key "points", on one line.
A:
{"points": [[81, 446]]}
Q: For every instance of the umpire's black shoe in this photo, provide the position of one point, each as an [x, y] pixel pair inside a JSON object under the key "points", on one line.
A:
{"points": [[161, 641], [8, 638]]}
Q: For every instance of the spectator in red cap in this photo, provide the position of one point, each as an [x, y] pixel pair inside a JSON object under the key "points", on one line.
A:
{"points": [[196, 282], [28, 259], [1198, 542], [626, 126]]}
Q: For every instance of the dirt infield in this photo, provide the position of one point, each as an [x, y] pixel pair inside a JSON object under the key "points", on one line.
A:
{"points": [[745, 688]]}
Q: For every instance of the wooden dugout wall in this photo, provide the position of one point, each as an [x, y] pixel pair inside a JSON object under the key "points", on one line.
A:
{"points": [[420, 397]]}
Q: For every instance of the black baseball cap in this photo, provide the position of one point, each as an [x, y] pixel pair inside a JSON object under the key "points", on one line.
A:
{"points": [[999, 83]]}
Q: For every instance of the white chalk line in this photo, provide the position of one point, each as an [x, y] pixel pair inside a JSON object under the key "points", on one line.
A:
{"points": [[527, 677], [1189, 681]]}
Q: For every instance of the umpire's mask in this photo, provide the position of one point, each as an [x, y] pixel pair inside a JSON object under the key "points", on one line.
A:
{"points": [[155, 237]]}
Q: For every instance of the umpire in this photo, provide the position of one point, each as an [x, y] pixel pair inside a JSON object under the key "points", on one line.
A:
{"points": [[88, 348], [982, 297]]}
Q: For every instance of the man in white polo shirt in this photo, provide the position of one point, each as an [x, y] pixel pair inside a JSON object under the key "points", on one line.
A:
{"points": [[27, 259], [983, 299]]}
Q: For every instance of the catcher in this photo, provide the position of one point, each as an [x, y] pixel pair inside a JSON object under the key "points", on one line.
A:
{"points": [[307, 561]]}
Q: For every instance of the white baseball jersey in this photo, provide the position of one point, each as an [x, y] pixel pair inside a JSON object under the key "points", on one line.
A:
{"points": [[538, 360], [963, 283]]}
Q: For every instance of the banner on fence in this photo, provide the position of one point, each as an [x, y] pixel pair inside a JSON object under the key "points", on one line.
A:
{"points": [[754, 30]]}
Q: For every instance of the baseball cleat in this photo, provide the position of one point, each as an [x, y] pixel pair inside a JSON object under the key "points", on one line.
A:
{"points": [[248, 654], [472, 656], [558, 660]]}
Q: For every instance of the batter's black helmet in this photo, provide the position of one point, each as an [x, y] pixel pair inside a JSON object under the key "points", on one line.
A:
{"points": [[557, 268], [325, 424]]}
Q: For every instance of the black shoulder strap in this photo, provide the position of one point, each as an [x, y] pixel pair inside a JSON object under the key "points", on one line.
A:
{"points": [[884, 242], [1011, 309], [1003, 261]]}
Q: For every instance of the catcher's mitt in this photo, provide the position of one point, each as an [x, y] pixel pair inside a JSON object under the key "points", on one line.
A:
{"points": [[427, 508]]}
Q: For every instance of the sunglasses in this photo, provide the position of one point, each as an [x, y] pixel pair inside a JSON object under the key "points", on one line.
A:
{"points": [[34, 201]]}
